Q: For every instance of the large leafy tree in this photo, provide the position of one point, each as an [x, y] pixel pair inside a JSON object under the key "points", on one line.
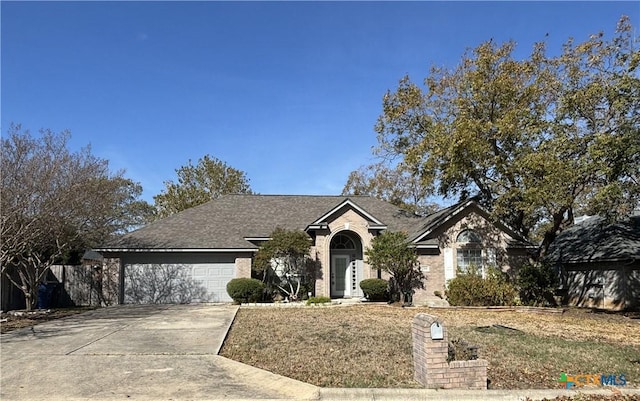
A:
{"points": [[390, 252], [285, 262], [539, 139], [396, 185], [56, 203], [198, 184]]}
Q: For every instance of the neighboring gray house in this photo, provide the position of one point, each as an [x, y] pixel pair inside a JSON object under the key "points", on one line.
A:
{"points": [[599, 263], [215, 242]]}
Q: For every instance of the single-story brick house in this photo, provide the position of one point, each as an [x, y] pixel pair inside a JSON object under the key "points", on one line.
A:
{"points": [[216, 241], [599, 263]]}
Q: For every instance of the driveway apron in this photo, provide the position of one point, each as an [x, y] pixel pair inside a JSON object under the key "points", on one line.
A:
{"points": [[135, 352]]}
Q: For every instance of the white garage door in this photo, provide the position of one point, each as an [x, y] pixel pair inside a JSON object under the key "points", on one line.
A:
{"points": [[215, 278], [177, 283]]}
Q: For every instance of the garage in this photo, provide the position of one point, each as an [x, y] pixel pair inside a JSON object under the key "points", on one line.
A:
{"points": [[177, 278], [215, 278]]}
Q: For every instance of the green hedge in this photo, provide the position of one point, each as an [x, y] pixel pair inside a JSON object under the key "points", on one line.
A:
{"points": [[245, 290], [318, 300], [471, 289], [375, 289], [536, 284]]}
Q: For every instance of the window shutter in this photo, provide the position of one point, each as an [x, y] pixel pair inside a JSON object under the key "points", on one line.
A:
{"points": [[490, 261], [448, 264], [491, 257]]}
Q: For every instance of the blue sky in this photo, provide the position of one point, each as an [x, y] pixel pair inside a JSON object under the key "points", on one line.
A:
{"points": [[288, 92]]}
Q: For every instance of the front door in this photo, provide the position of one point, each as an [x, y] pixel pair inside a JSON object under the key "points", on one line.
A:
{"points": [[340, 275]]}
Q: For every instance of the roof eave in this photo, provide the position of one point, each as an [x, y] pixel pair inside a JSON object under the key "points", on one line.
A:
{"points": [[599, 260], [438, 222], [442, 220], [378, 227], [165, 250], [424, 246], [317, 226]]}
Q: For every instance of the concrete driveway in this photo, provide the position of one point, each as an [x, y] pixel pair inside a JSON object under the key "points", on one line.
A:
{"points": [[148, 352]]}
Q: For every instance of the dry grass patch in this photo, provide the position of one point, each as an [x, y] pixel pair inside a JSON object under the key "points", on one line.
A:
{"points": [[370, 346], [12, 322], [326, 346], [594, 397], [574, 324]]}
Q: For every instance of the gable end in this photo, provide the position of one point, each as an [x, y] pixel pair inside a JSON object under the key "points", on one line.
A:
{"points": [[379, 225]]}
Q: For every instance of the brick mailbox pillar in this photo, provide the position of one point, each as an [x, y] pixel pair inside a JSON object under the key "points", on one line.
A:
{"points": [[430, 351]]}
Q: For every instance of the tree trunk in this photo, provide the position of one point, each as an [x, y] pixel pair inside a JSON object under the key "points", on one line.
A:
{"points": [[551, 233], [27, 301], [28, 287]]}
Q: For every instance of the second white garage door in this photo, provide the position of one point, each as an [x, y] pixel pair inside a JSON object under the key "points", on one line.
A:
{"points": [[215, 278]]}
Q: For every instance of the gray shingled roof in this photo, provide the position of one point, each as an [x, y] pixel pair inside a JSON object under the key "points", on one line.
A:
{"points": [[596, 240], [226, 221], [430, 222]]}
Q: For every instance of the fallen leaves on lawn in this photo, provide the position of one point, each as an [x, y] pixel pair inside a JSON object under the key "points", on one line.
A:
{"points": [[594, 397], [370, 345]]}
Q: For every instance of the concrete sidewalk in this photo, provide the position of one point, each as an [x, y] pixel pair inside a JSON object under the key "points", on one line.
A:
{"points": [[169, 352], [385, 394]]}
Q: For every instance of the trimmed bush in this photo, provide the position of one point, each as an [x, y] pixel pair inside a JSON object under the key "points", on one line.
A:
{"points": [[471, 289], [536, 284], [245, 290], [460, 350], [375, 289], [318, 300]]}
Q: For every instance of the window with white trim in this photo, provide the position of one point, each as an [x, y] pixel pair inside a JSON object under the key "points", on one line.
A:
{"points": [[469, 257], [469, 237], [341, 241], [469, 251]]}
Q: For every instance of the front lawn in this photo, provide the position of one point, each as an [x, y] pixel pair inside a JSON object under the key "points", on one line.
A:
{"points": [[370, 345]]}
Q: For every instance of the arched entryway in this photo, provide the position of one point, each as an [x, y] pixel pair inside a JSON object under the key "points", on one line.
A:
{"points": [[346, 265]]}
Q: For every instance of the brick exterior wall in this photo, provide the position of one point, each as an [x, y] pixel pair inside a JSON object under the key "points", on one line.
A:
{"points": [[432, 260], [243, 267], [350, 222], [431, 368], [433, 269]]}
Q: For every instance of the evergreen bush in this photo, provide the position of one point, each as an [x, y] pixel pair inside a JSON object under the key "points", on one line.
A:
{"points": [[375, 289], [536, 284], [318, 300], [471, 289], [245, 290]]}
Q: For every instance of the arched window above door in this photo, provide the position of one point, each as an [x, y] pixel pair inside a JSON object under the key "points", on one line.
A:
{"points": [[341, 241]]}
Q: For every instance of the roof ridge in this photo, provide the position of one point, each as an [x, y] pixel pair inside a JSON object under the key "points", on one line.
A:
{"points": [[290, 195], [310, 195]]}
